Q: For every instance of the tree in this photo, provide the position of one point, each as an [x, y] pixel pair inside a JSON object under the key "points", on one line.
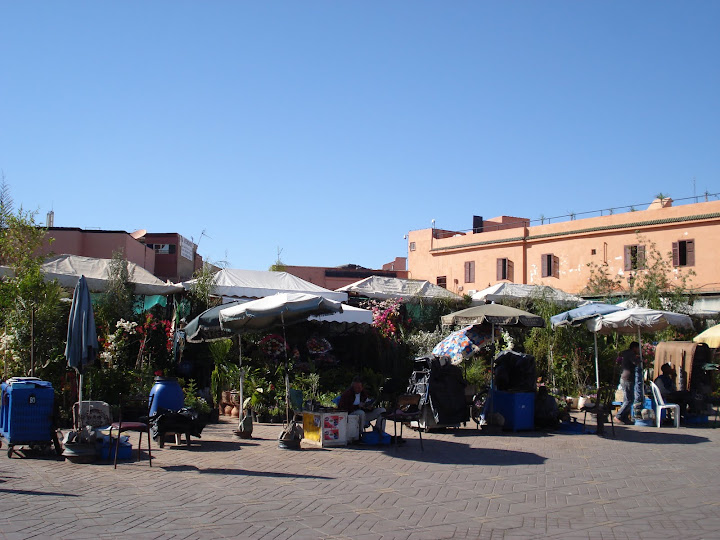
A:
{"points": [[659, 285], [201, 290], [117, 302], [31, 315]]}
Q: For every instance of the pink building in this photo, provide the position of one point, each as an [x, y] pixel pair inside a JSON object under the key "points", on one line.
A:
{"points": [[335, 277], [166, 255], [557, 254]]}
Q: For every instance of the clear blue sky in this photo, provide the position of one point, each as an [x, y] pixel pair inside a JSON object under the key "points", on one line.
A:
{"points": [[329, 129]]}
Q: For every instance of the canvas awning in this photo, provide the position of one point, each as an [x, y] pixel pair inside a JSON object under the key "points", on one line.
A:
{"points": [[67, 269], [382, 288], [233, 283]]}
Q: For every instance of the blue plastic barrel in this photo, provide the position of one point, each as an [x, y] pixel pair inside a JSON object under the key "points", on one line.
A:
{"points": [[166, 394]]}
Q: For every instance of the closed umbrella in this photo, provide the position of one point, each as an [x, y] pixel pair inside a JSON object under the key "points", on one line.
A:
{"points": [[82, 344]]}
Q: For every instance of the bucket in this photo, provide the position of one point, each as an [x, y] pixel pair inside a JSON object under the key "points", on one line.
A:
{"points": [[166, 394]]}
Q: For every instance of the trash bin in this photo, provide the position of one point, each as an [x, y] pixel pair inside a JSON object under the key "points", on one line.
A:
{"points": [[26, 412]]}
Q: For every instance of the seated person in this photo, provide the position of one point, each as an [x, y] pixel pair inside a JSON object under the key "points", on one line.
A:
{"points": [[668, 389], [357, 401], [546, 410]]}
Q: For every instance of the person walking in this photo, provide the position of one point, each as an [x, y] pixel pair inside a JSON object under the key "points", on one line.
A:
{"points": [[629, 360]]}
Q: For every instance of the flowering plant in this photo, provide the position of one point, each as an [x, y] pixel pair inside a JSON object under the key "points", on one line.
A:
{"points": [[114, 346], [318, 345], [648, 353], [273, 345], [387, 317]]}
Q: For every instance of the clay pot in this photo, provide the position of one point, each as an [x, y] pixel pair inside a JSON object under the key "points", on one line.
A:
{"points": [[235, 412], [228, 410]]}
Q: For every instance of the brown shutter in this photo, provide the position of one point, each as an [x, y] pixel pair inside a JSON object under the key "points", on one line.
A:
{"points": [[470, 272], [544, 270], [510, 271], [499, 268], [628, 258], [690, 252], [676, 253], [555, 267], [640, 257]]}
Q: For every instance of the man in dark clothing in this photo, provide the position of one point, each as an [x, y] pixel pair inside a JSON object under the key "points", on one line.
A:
{"points": [[668, 389], [357, 401], [630, 359]]}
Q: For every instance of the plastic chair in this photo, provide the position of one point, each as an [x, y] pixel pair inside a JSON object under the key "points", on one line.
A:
{"points": [[407, 409], [141, 427], [602, 407], [660, 405]]}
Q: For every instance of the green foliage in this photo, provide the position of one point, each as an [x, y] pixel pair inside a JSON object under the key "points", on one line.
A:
{"points": [[192, 400], [30, 308], [421, 342], [659, 285], [600, 283], [201, 290], [117, 301]]}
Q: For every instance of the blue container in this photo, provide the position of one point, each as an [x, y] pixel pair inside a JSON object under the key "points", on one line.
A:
{"points": [[26, 411], [518, 409], [166, 394]]}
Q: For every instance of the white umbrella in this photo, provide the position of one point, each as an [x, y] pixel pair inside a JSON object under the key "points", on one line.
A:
{"points": [[630, 321]]}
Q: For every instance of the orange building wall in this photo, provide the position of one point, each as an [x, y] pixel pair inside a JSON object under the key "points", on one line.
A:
{"points": [[573, 242], [99, 244]]}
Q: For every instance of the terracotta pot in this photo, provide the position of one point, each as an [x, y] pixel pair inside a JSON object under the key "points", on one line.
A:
{"points": [[228, 410], [221, 409], [235, 411]]}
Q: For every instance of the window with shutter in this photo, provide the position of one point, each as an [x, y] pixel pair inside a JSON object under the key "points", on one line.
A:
{"points": [[545, 265], [470, 272], [683, 253], [442, 281], [634, 257], [555, 267], [504, 269]]}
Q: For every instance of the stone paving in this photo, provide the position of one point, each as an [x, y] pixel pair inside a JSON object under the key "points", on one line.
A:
{"points": [[645, 483]]}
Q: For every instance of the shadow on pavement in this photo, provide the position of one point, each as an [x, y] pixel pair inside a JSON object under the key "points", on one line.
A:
{"points": [[657, 437], [242, 472], [448, 452], [29, 492]]}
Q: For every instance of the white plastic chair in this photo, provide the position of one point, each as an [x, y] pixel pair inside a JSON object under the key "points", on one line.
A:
{"points": [[660, 405]]}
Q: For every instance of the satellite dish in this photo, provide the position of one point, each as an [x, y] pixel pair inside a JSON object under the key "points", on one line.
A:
{"points": [[138, 234]]}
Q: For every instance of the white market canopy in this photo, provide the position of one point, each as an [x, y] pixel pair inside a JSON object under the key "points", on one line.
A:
{"points": [[233, 283], [383, 288], [67, 269], [518, 291], [637, 319]]}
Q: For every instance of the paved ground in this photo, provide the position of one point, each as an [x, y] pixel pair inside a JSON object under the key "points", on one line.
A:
{"points": [[646, 483]]}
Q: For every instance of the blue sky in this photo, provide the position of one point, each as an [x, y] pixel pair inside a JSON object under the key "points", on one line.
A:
{"points": [[330, 129]]}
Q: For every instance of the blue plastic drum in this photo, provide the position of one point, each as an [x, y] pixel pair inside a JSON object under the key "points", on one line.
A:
{"points": [[166, 394]]}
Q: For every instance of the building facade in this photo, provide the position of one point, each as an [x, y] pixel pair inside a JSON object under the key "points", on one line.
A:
{"points": [[561, 254], [168, 256], [335, 277]]}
